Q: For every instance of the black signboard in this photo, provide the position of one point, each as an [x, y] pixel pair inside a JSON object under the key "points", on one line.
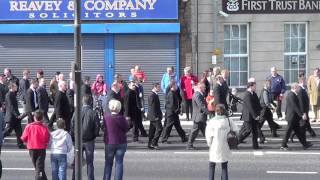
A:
{"points": [[270, 6]]}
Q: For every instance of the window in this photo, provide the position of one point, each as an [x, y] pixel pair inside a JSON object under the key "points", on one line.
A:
{"points": [[236, 53], [295, 51]]}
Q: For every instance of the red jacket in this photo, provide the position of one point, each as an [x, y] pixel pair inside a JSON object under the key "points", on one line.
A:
{"points": [[140, 76], [187, 87], [36, 135]]}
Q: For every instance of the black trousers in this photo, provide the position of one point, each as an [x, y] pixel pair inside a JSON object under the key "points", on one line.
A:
{"points": [[46, 117], [188, 106], [247, 128], [173, 121], [306, 127], [140, 125], [38, 157], [294, 126], [266, 115], [275, 97], [197, 126], [155, 130], [16, 126], [52, 119]]}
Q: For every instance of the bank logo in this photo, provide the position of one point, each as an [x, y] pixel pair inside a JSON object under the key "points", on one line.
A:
{"points": [[233, 5]]}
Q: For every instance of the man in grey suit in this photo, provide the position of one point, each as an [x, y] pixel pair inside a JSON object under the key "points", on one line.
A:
{"points": [[199, 117]]}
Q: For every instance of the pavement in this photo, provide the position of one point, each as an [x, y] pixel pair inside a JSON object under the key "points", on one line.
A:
{"points": [[174, 162]]}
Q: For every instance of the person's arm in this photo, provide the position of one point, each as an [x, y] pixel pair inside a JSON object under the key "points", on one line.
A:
{"points": [[163, 83], [24, 136], [283, 86], [266, 99], [209, 135], [69, 143], [248, 103], [201, 104]]}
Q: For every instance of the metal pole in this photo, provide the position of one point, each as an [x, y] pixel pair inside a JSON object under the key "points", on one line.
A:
{"points": [[197, 39], [77, 74], [215, 24]]}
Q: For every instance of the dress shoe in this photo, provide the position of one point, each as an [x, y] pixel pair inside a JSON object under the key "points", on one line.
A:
{"points": [[155, 147], [284, 148], [307, 146]]}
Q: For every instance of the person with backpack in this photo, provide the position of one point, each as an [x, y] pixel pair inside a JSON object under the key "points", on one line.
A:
{"points": [[60, 145]]}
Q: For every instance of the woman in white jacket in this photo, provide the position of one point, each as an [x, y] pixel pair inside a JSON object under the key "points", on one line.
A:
{"points": [[216, 136]]}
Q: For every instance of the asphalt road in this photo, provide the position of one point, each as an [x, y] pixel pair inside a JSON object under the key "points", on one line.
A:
{"points": [[173, 162]]}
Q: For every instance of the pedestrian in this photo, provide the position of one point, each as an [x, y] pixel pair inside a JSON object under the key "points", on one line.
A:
{"points": [[43, 99], [188, 82], [216, 136], [122, 84], [24, 85], [2, 126], [200, 114], [212, 78], [60, 145], [10, 77], [314, 91], [115, 140], [167, 77], [86, 88], [294, 116], [172, 114], [37, 137], [139, 74], [250, 115], [154, 116], [278, 88], [53, 88], [40, 74], [204, 79], [210, 104], [98, 88], [12, 115], [219, 93], [3, 91], [131, 110], [90, 131], [70, 93], [268, 106], [140, 103], [61, 106], [114, 93], [31, 99]]}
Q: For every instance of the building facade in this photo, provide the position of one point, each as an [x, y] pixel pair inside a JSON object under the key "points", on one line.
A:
{"points": [[254, 35]]}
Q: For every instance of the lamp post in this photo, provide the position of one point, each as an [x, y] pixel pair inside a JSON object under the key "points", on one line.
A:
{"points": [[76, 68]]}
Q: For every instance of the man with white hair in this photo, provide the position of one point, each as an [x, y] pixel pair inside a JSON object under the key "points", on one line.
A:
{"points": [[61, 106], [294, 114]]}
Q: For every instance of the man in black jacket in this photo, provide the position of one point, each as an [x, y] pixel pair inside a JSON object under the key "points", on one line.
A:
{"points": [[131, 110], [43, 99], [31, 98], [154, 116], [294, 116], [90, 130], [200, 112], [61, 105], [250, 115], [24, 85], [220, 92], [10, 78], [172, 114], [3, 90], [114, 93], [12, 116]]}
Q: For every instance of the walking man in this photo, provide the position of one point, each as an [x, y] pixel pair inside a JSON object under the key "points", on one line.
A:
{"points": [[154, 116], [200, 113], [294, 114], [43, 98], [31, 98], [250, 115]]}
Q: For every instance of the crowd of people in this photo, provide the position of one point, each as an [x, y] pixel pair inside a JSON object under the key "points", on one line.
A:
{"points": [[207, 101]]}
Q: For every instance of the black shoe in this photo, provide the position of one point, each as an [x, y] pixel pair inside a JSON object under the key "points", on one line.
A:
{"points": [[284, 148], [191, 148], [22, 146], [185, 139], [155, 147], [307, 146], [313, 134]]}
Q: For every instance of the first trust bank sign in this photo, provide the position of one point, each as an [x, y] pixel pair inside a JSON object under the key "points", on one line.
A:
{"points": [[270, 6], [16, 10]]}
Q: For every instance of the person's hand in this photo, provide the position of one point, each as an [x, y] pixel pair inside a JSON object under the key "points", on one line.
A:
{"points": [[304, 116], [257, 118]]}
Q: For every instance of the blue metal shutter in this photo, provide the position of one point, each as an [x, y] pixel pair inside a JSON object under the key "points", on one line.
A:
{"points": [[154, 53]]}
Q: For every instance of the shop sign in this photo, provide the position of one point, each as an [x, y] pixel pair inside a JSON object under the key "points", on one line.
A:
{"points": [[270, 6], [21, 10]]}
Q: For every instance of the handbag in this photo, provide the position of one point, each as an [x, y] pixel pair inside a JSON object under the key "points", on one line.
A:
{"points": [[232, 138]]}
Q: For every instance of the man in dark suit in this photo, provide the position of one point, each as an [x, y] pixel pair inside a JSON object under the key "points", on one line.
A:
{"points": [[250, 115], [43, 99], [220, 91], [12, 116], [61, 105], [3, 90], [154, 116], [172, 107], [10, 77], [131, 110], [24, 85], [114, 93], [31, 100], [199, 117], [294, 116]]}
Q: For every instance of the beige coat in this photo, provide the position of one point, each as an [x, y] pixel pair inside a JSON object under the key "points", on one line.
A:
{"points": [[314, 91]]}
